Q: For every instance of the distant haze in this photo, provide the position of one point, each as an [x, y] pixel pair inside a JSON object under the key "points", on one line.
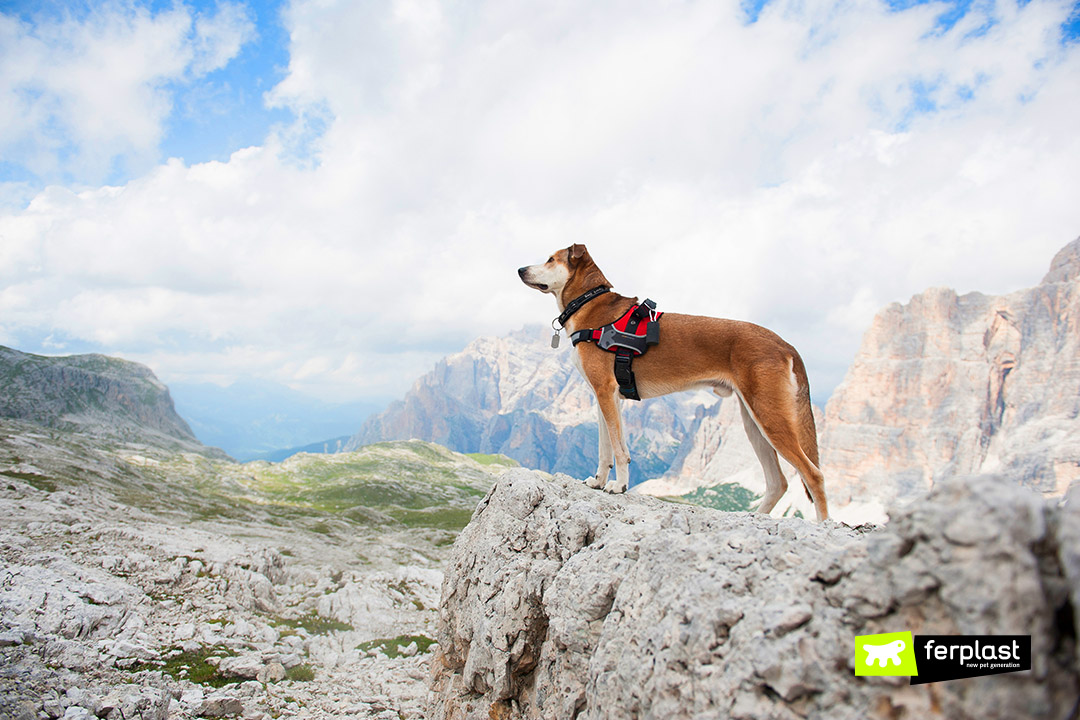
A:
{"points": [[250, 419]]}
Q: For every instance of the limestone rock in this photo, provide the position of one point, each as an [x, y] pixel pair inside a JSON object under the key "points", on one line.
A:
{"points": [[961, 384], [562, 602], [135, 702], [220, 705]]}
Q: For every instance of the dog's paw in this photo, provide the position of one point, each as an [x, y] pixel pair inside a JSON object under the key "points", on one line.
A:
{"points": [[595, 482], [615, 487]]}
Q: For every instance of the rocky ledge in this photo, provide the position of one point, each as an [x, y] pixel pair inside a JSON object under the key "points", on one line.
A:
{"points": [[561, 602]]}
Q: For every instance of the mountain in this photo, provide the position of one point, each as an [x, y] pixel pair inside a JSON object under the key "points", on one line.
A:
{"points": [[516, 396], [960, 384], [93, 395], [252, 419]]}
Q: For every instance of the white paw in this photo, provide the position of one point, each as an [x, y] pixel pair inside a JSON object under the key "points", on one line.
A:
{"points": [[595, 482], [615, 487]]}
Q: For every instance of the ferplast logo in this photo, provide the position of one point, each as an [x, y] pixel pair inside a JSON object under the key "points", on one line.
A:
{"points": [[885, 654], [937, 658]]}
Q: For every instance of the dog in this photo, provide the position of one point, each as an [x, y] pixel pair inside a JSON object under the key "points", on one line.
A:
{"points": [[726, 356]]}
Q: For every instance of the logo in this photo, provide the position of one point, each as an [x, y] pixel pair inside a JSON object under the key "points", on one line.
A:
{"points": [[885, 654], [951, 657], [936, 658]]}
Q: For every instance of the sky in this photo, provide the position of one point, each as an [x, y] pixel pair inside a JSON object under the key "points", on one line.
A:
{"points": [[332, 194]]}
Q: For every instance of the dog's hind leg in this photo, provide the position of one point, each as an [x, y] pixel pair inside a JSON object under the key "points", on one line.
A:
{"points": [[775, 482], [781, 414], [604, 464]]}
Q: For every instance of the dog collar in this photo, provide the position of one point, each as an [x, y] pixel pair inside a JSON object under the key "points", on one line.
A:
{"points": [[576, 304], [572, 307]]}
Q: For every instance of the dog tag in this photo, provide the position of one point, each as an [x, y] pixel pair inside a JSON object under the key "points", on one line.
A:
{"points": [[555, 339]]}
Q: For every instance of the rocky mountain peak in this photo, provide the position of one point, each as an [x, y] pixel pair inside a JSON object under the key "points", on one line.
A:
{"points": [[93, 394], [961, 384], [1065, 267]]}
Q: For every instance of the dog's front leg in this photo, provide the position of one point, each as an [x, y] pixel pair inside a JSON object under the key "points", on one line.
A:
{"points": [[609, 410], [604, 464]]}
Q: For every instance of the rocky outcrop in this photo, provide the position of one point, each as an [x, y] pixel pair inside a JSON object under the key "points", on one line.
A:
{"points": [[95, 395], [956, 384], [516, 396], [561, 602]]}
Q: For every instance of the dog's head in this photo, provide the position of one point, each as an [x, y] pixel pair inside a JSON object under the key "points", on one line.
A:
{"points": [[567, 268]]}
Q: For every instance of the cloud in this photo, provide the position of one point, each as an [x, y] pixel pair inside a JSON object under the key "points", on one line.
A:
{"points": [[797, 171], [80, 94]]}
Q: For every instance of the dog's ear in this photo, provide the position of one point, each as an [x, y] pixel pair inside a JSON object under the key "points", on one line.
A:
{"points": [[575, 252]]}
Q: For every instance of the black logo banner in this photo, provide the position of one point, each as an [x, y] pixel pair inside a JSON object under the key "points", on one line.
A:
{"points": [[951, 657]]}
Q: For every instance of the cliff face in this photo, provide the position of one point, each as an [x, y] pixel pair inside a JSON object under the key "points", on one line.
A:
{"points": [[516, 396], [561, 602], [953, 384], [91, 394]]}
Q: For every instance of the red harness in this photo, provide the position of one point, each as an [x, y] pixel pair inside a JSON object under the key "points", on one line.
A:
{"points": [[629, 336]]}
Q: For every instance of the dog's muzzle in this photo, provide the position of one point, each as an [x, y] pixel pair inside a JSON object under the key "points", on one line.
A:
{"points": [[522, 272]]}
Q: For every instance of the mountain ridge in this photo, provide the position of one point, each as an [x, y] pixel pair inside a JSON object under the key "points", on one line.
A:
{"points": [[93, 394]]}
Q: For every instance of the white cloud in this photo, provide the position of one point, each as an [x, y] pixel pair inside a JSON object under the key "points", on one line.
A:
{"points": [[784, 172], [78, 94]]}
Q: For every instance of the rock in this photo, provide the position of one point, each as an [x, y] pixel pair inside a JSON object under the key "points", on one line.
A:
{"points": [[127, 649], [272, 672], [192, 697], [220, 705], [82, 698], [12, 637], [52, 707], [247, 665], [746, 616], [75, 712], [128, 702]]}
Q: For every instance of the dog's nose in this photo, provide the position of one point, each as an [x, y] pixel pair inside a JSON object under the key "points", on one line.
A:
{"points": [[522, 271]]}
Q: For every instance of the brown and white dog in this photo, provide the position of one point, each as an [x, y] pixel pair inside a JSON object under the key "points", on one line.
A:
{"points": [[726, 356]]}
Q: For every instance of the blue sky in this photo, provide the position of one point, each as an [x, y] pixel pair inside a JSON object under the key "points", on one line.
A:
{"points": [[240, 189], [212, 114], [224, 110]]}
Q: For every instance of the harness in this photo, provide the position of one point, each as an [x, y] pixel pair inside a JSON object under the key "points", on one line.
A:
{"points": [[629, 336]]}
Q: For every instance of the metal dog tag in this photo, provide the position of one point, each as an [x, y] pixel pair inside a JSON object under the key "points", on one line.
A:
{"points": [[555, 339]]}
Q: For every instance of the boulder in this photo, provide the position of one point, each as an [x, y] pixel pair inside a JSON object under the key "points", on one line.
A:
{"points": [[562, 602]]}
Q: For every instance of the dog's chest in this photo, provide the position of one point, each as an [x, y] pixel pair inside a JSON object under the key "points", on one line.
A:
{"points": [[575, 356]]}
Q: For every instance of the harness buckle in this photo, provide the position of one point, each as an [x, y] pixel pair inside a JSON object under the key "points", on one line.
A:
{"points": [[612, 338]]}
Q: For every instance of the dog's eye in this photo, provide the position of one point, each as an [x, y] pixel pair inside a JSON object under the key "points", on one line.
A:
{"points": [[551, 259]]}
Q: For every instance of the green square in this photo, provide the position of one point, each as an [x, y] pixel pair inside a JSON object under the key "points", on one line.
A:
{"points": [[891, 654]]}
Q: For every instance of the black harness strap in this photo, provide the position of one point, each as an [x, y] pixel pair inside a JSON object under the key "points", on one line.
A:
{"points": [[625, 344], [624, 374]]}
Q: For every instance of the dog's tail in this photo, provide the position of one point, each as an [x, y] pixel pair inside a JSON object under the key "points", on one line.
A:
{"points": [[805, 426]]}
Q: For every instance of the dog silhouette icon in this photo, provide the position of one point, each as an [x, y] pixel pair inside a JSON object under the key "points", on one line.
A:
{"points": [[884, 654]]}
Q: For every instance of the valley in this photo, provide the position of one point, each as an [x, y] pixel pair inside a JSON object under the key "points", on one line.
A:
{"points": [[137, 579]]}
